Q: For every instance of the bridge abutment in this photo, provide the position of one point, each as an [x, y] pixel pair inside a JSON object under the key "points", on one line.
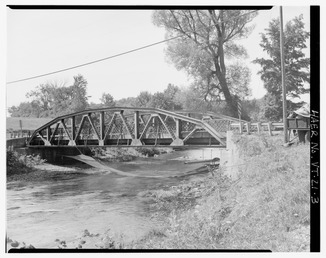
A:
{"points": [[230, 158]]}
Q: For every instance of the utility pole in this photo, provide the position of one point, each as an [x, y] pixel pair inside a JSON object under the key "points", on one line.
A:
{"points": [[283, 78]]}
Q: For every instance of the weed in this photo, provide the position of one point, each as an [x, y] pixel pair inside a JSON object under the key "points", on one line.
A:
{"points": [[267, 208], [21, 164]]}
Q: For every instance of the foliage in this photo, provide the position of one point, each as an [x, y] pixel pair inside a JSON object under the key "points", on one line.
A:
{"points": [[205, 39], [296, 65], [254, 108], [107, 100], [51, 100], [127, 102], [20, 164], [190, 99], [264, 209], [163, 100], [144, 99]]}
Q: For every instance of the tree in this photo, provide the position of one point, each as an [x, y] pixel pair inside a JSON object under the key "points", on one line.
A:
{"points": [[144, 99], [127, 102], [297, 66], [254, 109], [107, 100], [78, 100], [25, 109], [189, 99], [206, 39], [170, 94], [51, 100]]}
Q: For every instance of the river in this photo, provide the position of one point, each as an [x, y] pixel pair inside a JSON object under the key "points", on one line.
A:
{"points": [[93, 199]]}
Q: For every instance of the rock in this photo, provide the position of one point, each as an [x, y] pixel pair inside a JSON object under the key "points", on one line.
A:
{"points": [[82, 242], [86, 233]]}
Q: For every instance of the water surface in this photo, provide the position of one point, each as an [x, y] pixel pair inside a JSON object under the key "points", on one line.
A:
{"points": [[93, 199]]}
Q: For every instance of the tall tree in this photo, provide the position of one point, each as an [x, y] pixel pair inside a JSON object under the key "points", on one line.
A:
{"points": [[79, 97], [207, 39], [297, 66]]}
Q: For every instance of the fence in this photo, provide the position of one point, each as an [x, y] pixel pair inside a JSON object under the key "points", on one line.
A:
{"points": [[258, 127], [13, 135]]}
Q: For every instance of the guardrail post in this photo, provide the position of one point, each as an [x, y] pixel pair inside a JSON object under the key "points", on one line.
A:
{"points": [[248, 127], [240, 128], [270, 128], [259, 127]]}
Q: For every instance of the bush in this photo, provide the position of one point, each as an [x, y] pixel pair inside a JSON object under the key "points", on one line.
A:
{"points": [[148, 152], [17, 163]]}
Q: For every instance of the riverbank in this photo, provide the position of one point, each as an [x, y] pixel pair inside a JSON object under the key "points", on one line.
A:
{"points": [[27, 168], [266, 208]]}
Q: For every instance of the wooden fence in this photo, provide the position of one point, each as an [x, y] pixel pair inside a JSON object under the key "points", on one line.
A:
{"points": [[257, 127]]}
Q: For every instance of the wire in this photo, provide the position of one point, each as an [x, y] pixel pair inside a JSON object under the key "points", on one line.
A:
{"points": [[110, 57], [95, 61]]}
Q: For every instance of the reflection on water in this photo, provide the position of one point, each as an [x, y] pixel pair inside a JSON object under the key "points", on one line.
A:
{"points": [[95, 200]]}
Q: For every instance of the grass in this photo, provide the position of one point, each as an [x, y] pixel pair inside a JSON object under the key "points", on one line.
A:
{"points": [[266, 208]]}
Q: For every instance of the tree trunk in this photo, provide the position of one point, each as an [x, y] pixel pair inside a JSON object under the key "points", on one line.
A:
{"points": [[230, 101]]}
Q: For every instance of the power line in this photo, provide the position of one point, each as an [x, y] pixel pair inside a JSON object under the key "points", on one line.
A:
{"points": [[110, 57], [95, 61]]}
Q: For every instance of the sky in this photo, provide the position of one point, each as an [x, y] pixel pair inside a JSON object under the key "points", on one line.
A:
{"points": [[43, 41]]}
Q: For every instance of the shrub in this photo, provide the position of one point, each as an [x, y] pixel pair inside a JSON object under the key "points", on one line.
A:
{"points": [[18, 163], [266, 208], [148, 152]]}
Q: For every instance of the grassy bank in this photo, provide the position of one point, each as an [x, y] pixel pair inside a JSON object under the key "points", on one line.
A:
{"points": [[266, 208]]}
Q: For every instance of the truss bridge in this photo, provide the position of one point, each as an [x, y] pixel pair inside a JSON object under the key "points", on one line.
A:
{"points": [[133, 127]]}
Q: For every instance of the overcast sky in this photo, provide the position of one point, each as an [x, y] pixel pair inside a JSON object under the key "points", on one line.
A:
{"points": [[43, 41]]}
